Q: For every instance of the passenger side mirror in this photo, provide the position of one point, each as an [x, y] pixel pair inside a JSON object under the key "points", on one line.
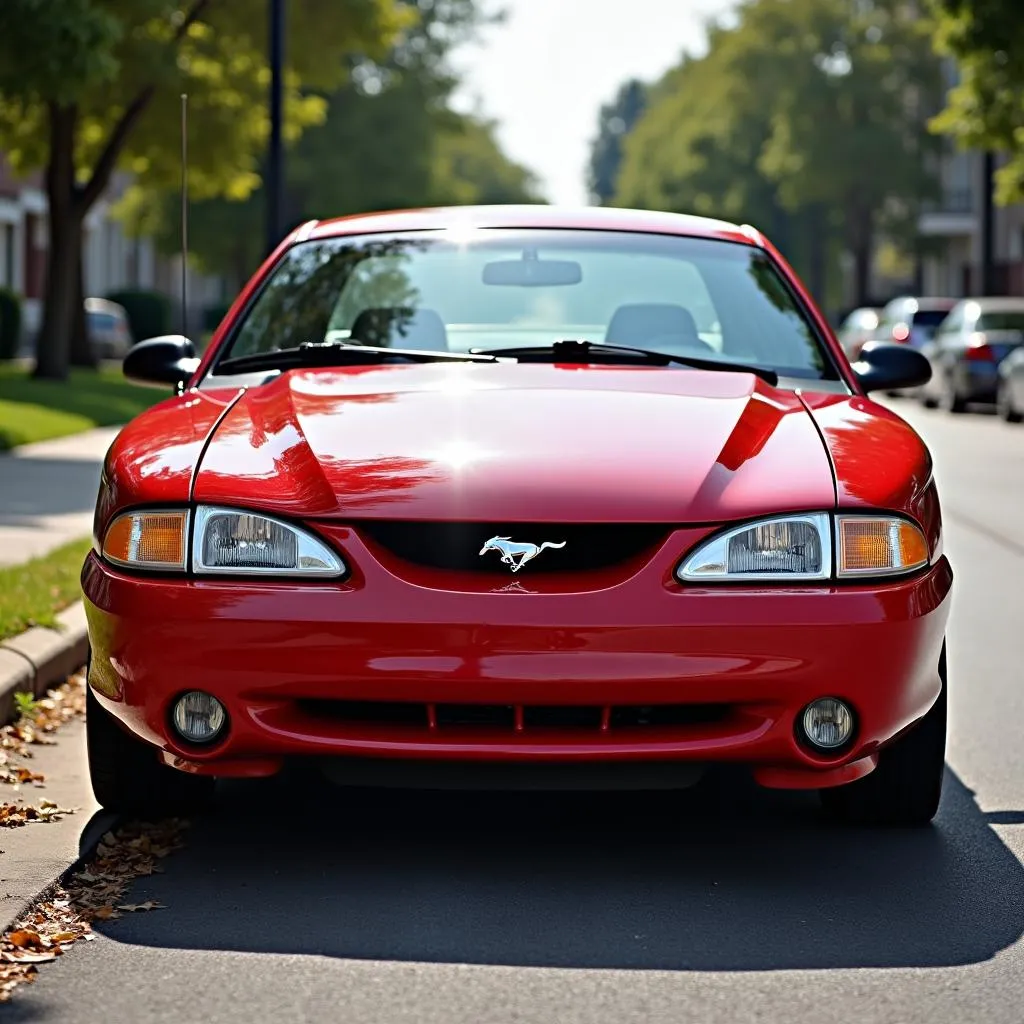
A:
{"points": [[169, 359], [886, 366]]}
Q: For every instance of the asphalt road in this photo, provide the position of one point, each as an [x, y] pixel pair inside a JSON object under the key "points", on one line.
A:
{"points": [[728, 904]]}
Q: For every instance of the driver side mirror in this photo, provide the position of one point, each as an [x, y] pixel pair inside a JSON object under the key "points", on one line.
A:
{"points": [[169, 359], [886, 366]]}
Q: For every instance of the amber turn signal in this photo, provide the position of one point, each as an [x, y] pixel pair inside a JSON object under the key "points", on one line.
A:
{"points": [[147, 540], [879, 546]]}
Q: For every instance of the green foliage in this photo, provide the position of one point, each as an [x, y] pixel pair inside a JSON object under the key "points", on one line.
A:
{"points": [[388, 140], [32, 593], [985, 110], [213, 315], [808, 118], [37, 410], [149, 313], [10, 323], [615, 121], [25, 703], [109, 53]]}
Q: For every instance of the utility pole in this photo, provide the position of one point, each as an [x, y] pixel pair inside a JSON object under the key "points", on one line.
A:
{"points": [[988, 242], [275, 155]]}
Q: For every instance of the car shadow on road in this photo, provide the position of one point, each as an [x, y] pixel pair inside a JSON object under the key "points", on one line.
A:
{"points": [[724, 877]]}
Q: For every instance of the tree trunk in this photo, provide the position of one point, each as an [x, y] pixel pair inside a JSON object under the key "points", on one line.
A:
{"points": [[65, 217], [860, 234], [82, 353]]}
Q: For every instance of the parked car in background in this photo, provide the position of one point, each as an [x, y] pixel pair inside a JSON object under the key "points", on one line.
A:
{"points": [[909, 320], [857, 328], [968, 349], [1010, 387], [107, 326]]}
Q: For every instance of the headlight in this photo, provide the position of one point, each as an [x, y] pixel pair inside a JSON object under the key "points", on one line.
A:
{"points": [[147, 540], [800, 548], [878, 546], [790, 547], [229, 541]]}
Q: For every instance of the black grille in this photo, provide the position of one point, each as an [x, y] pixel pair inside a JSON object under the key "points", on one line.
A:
{"points": [[457, 546], [572, 717]]}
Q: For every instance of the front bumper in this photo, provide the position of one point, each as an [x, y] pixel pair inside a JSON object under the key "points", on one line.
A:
{"points": [[281, 656]]}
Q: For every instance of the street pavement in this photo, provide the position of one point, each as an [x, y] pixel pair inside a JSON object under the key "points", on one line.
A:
{"points": [[726, 904], [48, 493]]}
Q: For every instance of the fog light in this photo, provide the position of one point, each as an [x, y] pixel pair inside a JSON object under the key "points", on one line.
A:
{"points": [[199, 717], [827, 723]]}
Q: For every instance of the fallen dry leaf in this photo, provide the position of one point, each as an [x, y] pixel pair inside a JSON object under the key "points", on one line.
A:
{"points": [[62, 917]]}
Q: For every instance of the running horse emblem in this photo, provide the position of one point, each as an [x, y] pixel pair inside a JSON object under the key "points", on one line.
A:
{"points": [[516, 555]]}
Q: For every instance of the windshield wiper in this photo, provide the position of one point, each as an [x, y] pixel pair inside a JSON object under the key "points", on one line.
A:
{"points": [[571, 351], [339, 353]]}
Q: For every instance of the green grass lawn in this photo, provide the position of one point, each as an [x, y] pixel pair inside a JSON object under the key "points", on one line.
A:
{"points": [[36, 410], [33, 592]]}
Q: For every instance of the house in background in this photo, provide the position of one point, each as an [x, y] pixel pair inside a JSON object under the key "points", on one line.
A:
{"points": [[112, 259], [955, 228]]}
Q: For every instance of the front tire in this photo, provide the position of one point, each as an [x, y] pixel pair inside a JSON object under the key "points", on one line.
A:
{"points": [[905, 789], [126, 776]]}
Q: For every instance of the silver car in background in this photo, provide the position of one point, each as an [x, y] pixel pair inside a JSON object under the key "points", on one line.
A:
{"points": [[967, 350], [106, 323]]}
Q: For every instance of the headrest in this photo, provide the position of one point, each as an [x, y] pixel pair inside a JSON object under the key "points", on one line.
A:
{"points": [[642, 324], [400, 327]]}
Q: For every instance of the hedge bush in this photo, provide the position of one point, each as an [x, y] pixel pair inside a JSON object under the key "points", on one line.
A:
{"points": [[149, 313], [10, 323], [213, 314]]}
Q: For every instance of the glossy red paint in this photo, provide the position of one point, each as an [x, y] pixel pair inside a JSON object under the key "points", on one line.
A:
{"points": [[152, 459], [613, 638], [535, 443], [880, 461], [492, 442]]}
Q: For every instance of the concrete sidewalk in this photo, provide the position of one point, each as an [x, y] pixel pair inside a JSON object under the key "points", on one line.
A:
{"points": [[48, 492]]}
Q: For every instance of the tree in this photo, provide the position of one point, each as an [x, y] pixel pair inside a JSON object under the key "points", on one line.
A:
{"points": [[986, 109], [808, 117], [615, 121], [389, 140], [87, 86]]}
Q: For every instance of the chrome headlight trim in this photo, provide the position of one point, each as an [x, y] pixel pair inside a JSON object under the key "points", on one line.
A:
{"points": [[715, 550], [322, 561]]}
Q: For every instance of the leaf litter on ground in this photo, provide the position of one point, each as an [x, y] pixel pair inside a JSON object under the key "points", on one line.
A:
{"points": [[60, 705], [65, 913]]}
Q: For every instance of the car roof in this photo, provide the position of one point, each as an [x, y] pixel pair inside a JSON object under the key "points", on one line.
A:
{"points": [[95, 305], [924, 301], [998, 303], [590, 218]]}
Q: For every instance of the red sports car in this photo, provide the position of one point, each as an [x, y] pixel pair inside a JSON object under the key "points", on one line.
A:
{"points": [[519, 497]]}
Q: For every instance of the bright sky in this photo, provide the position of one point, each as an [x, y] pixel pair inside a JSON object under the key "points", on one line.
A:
{"points": [[545, 72]]}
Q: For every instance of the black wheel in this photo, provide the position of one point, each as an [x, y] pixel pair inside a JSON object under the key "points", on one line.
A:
{"points": [[1004, 404], [927, 400], [905, 788], [950, 400], [126, 776]]}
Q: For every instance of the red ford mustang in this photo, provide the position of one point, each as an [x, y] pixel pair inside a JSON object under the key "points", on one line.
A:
{"points": [[515, 497]]}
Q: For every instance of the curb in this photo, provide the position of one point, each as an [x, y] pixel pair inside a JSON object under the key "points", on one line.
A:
{"points": [[39, 659]]}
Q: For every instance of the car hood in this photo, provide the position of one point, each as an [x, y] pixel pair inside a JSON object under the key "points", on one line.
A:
{"points": [[511, 443]]}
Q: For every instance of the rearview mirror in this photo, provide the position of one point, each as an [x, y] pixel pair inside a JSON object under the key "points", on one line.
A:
{"points": [[886, 366], [169, 359], [532, 272]]}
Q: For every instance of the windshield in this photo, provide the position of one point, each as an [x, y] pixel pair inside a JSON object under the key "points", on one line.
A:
{"points": [[1003, 320], [497, 288]]}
